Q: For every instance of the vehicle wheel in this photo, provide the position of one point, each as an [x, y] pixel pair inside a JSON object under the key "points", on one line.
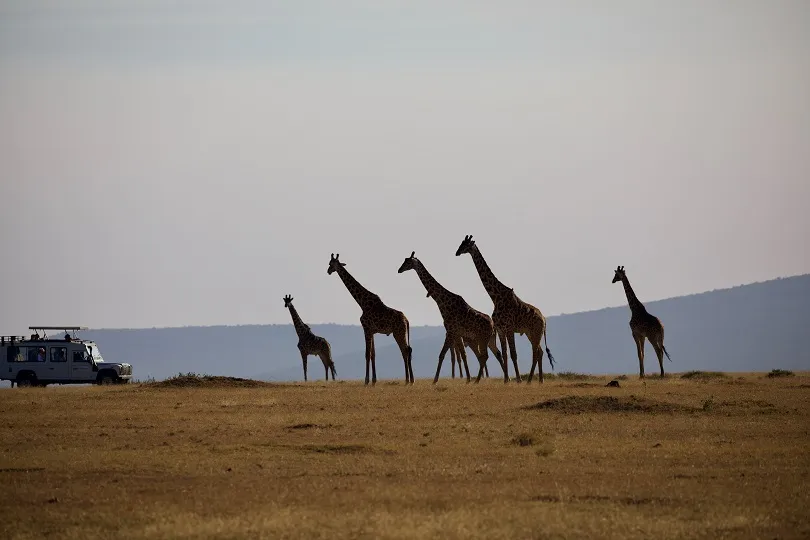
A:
{"points": [[105, 380], [26, 381]]}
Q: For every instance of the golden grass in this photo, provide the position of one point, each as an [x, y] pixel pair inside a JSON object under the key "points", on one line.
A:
{"points": [[665, 458]]}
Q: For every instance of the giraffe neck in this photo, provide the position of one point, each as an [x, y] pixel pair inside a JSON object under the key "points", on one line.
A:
{"points": [[493, 286], [433, 287], [632, 300], [301, 328], [364, 298]]}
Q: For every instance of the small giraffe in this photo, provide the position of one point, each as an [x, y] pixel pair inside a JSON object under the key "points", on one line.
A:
{"points": [[377, 318], [511, 315], [464, 325], [309, 343], [643, 324]]}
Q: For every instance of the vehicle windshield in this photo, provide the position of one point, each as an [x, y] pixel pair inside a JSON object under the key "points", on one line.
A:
{"points": [[96, 353]]}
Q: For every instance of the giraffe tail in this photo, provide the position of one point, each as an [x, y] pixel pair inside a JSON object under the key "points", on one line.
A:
{"points": [[548, 351], [666, 353]]}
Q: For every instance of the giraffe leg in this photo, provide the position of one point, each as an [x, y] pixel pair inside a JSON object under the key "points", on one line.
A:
{"points": [[453, 363], [442, 354], [510, 338], [325, 364], [369, 349], [463, 358], [486, 369], [304, 361], [659, 352], [640, 350], [410, 362], [373, 362], [458, 358], [537, 353], [405, 349], [462, 351], [493, 346], [483, 355], [504, 357], [535, 339]]}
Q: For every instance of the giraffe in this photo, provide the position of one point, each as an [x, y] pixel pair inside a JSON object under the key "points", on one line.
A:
{"points": [[377, 318], [464, 325], [511, 315], [643, 324], [309, 343]]}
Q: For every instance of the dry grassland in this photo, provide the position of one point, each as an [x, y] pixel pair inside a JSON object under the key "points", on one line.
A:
{"points": [[702, 457]]}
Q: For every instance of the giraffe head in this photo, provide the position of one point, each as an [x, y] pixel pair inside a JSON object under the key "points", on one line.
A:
{"points": [[466, 246], [409, 263], [619, 274], [288, 301], [334, 263]]}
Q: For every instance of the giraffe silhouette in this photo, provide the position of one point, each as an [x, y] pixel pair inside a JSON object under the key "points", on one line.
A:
{"points": [[461, 321], [309, 343], [511, 315], [643, 324], [377, 318]]}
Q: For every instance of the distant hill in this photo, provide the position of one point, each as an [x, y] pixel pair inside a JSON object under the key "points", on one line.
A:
{"points": [[754, 327]]}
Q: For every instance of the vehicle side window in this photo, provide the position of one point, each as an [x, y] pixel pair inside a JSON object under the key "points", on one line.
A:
{"points": [[58, 354], [36, 354], [15, 354], [79, 356]]}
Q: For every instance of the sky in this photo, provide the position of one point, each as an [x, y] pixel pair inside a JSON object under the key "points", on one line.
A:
{"points": [[190, 163]]}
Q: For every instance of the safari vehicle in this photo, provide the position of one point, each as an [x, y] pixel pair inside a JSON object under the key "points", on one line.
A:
{"points": [[40, 360]]}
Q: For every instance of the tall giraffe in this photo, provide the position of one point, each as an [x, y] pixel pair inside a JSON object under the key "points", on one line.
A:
{"points": [[643, 324], [462, 323], [511, 315], [377, 318], [309, 343]]}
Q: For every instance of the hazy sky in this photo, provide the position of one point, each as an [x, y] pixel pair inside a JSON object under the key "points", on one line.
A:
{"points": [[183, 163]]}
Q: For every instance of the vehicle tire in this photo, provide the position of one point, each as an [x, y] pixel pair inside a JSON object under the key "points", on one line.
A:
{"points": [[26, 381], [105, 380]]}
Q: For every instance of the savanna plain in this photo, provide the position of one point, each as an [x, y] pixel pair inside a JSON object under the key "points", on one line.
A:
{"points": [[702, 456]]}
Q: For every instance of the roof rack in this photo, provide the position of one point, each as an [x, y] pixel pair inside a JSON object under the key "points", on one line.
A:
{"points": [[72, 328], [11, 339]]}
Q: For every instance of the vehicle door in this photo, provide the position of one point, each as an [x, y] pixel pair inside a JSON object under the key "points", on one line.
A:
{"points": [[58, 368], [81, 367]]}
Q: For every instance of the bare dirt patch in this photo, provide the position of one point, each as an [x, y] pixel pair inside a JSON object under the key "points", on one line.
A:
{"points": [[308, 425], [208, 381], [631, 501], [704, 375], [609, 404], [342, 449]]}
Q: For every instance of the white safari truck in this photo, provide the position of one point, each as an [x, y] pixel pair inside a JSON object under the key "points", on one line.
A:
{"points": [[42, 360]]}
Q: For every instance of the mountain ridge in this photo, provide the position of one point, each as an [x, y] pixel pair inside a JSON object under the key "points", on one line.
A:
{"points": [[752, 327]]}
